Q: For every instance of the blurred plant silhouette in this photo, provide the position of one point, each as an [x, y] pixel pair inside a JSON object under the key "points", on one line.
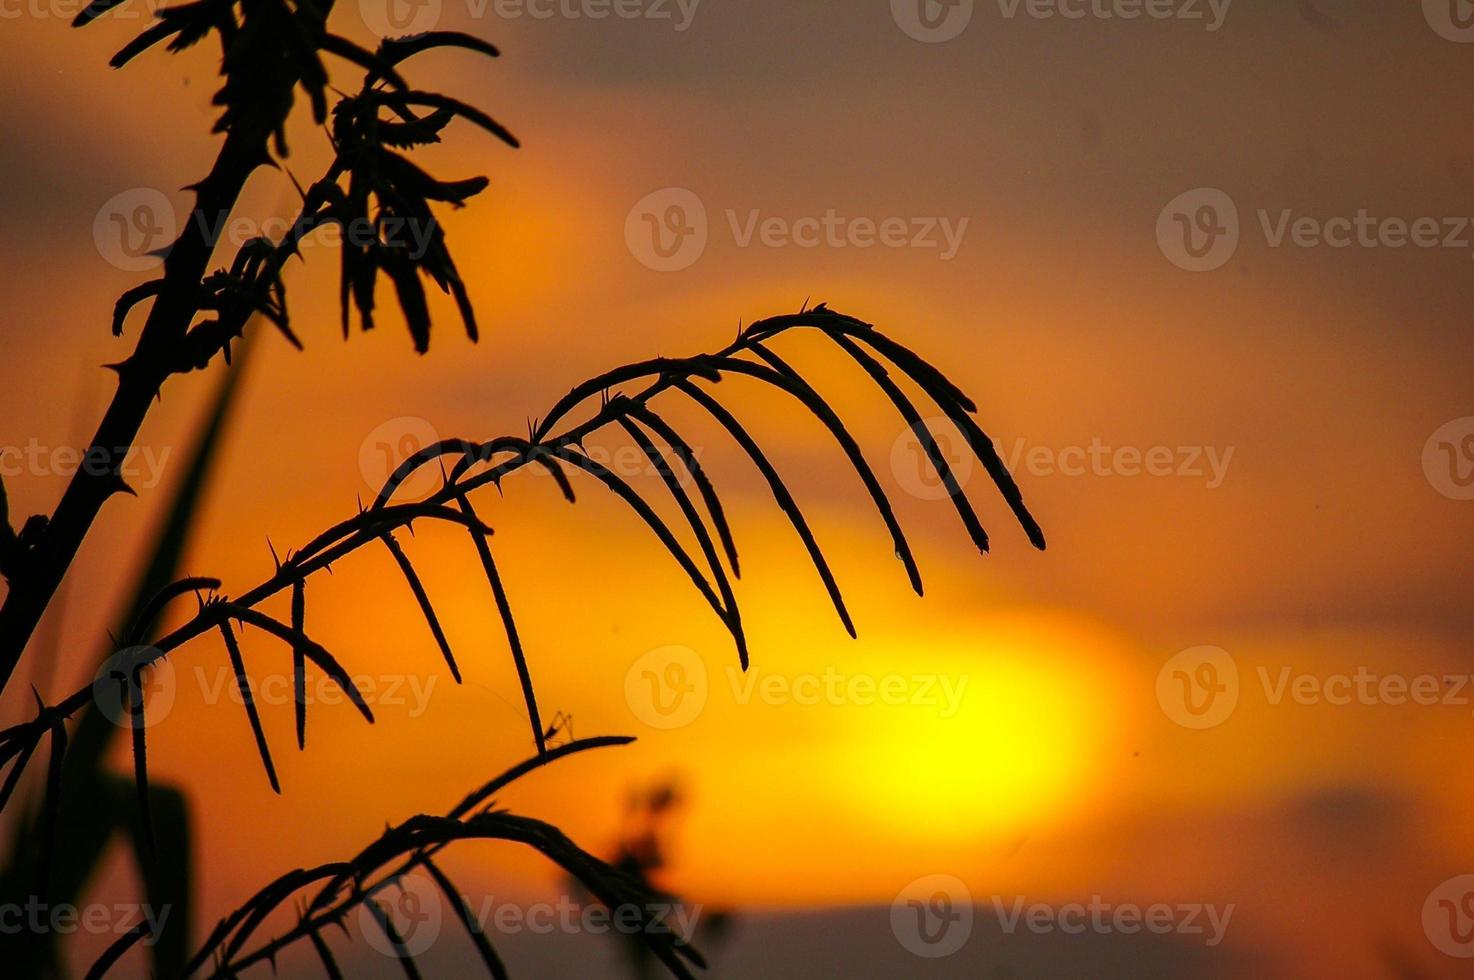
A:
{"points": [[373, 192], [642, 853], [96, 806]]}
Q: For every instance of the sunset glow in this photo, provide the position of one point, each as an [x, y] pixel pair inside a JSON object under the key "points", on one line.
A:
{"points": [[1258, 450]]}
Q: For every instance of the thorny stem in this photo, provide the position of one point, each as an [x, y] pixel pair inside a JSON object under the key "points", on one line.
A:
{"points": [[140, 380]]}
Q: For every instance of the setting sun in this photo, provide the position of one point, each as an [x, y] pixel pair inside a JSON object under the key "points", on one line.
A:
{"points": [[1030, 745]]}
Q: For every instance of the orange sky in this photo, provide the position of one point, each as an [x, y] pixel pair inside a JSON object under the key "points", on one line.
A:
{"points": [[1321, 547]]}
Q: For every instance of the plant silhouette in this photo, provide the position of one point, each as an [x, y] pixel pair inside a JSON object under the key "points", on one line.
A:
{"points": [[642, 854], [95, 806], [271, 49]]}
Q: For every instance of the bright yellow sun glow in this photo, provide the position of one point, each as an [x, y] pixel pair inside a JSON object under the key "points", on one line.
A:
{"points": [[1020, 737]]}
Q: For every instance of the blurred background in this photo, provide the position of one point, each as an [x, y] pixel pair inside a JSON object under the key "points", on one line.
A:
{"points": [[1180, 263]]}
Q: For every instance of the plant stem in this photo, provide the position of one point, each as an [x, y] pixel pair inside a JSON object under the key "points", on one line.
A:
{"points": [[140, 379]]}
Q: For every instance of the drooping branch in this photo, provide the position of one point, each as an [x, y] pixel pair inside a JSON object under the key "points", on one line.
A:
{"points": [[480, 464], [355, 883]]}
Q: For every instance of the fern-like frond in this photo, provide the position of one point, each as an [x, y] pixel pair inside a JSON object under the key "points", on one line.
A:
{"points": [[477, 465], [343, 887]]}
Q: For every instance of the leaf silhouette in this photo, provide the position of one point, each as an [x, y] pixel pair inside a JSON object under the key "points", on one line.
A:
{"points": [[423, 599], [243, 685], [783, 377], [299, 661], [509, 624], [453, 898], [780, 492], [329, 965], [652, 520], [693, 466], [401, 952], [923, 435], [703, 538]]}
